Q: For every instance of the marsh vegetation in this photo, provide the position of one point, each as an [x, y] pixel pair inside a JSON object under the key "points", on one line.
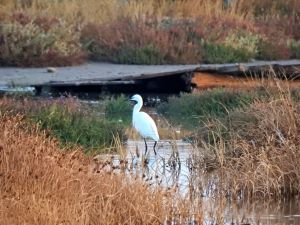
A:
{"points": [[64, 161], [68, 32], [236, 146]]}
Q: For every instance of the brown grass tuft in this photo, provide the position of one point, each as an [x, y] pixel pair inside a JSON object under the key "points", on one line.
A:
{"points": [[41, 184], [255, 150], [268, 149]]}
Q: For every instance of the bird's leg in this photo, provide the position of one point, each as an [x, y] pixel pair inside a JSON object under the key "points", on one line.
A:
{"points": [[146, 147], [154, 147]]}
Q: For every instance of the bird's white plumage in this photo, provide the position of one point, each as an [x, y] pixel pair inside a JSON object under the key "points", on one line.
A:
{"points": [[142, 122], [145, 125]]}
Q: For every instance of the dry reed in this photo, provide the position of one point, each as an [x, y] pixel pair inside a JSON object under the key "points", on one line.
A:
{"points": [[151, 32], [111, 10], [42, 184], [268, 164], [257, 147]]}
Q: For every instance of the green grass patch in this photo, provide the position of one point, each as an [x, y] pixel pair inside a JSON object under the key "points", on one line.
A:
{"points": [[147, 55], [119, 109], [192, 110], [294, 47], [72, 122], [218, 53], [94, 134]]}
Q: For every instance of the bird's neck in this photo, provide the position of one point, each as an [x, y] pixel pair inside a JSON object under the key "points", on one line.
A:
{"points": [[137, 107]]}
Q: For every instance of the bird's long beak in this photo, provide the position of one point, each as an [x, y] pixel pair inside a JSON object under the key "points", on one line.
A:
{"points": [[132, 101]]}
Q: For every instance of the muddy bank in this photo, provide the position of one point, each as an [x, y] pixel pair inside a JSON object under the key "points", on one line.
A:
{"points": [[209, 80]]}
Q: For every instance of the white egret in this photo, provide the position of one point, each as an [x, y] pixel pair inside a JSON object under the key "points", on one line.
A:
{"points": [[143, 123]]}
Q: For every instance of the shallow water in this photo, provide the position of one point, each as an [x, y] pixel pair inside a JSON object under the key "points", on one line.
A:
{"points": [[172, 168], [168, 168], [21, 90]]}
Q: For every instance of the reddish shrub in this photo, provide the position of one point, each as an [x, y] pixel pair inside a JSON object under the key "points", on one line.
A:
{"points": [[21, 17], [269, 50], [39, 42], [55, 58], [176, 43], [46, 23]]}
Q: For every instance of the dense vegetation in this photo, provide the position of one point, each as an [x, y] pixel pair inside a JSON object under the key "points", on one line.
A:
{"points": [[248, 138], [67, 32], [75, 123], [40, 183], [194, 110]]}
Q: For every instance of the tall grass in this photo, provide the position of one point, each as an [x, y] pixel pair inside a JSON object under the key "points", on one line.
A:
{"points": [[40, 184], [255, 149], [270, 151], [70, 121], [247, 140], [156, 32], [118, 109], [91, 132], [193, 110]]}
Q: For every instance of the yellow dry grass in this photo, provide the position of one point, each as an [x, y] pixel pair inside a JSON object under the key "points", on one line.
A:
{"points": [[257, 147], [268, 164], [73, 11], [110, 10], [42, 184]]}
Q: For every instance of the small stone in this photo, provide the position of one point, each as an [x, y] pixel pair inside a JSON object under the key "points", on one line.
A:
{"points": [[51, 70]]}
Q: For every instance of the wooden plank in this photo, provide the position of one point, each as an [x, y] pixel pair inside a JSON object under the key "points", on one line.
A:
{"points": [[86, 83], [123, 80], [101, 73], [89, 71], [155, 75], [247, 67]]}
